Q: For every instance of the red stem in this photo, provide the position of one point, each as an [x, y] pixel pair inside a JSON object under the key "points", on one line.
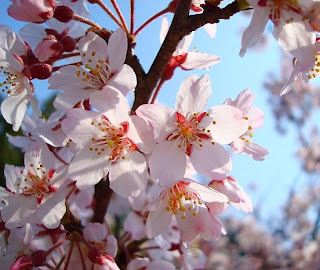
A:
{"points": [[131, 16], [116, 7], [109, 12], [160, 13], [156, 92], [84, 20], [81, 256], [69, 256]]}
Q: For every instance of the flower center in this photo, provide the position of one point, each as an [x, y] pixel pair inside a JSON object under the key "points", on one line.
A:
{"points": [[36, 182], [112, 141], [97, 73], [190, 132], [12, 82], [179, 196]]}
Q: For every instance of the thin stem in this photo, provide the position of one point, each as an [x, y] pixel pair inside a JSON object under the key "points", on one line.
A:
{"points": [[54, 152], [116, 7], [49, 266], [109, 12], [86, 21], [58, 67], [69, 256], [69, 55], [81, 256], [131, 16], [160, 13], [156, 92]]}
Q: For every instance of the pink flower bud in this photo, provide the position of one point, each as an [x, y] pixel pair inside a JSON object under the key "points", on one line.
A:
{"points": [[48, 48], [68, 43], [63, 14], [41, 71], [39, 257], [37, 11]]}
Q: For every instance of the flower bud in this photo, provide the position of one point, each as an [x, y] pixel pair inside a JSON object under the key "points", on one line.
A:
{"points": [[40, 71], [48, 48], [37, 11], [63, 13], [39, 257], [68, 43]]}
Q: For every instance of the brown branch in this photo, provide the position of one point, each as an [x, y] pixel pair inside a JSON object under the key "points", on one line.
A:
{"points": [[102, 195], [176, 32], [182, 24]]}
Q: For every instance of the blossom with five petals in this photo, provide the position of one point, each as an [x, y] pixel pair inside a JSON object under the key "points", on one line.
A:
{"points": [[110, 141], [190, 131], [103, 66], [184, 200]]}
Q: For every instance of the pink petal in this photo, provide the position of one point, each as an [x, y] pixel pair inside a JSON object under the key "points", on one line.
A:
{"points": [[210, 159], [198, 60], [194, 94], [227, 123], [117, 49], [128, 177], [167, 163]]}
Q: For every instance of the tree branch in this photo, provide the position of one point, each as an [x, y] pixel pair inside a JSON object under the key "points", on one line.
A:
{"points": [[182, 24], [102, 195]]}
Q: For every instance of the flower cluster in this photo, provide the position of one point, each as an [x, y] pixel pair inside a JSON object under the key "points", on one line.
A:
{"points": [[97, 157]]}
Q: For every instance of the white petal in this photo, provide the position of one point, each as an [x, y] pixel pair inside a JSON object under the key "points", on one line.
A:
{"points": [[78, 125], [117, 49], [19, 211], [128, 177], [193, 95], [255, 29], [198, 60], [167, 163], [125, 80], [87, 168], [162, 119], [210, 159], [157, 222], [228, 123]]}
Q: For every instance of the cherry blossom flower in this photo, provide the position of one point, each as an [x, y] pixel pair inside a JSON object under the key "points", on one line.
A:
{"points": [[103, 66], [183, 58], [304, 69], [38, 191], [32, 10], [16, 82], [190, 131], [291, 29], [97, 234], [184, 201], [255, 116], [236, 195], [111, 142]]}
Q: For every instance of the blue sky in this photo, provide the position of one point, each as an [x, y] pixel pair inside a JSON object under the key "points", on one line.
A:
{"points": [[274, 176]]}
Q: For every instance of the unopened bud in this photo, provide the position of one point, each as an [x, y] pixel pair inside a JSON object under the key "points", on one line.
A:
{"points": [[41, 71], [63, 13], [68, 43], [39, 257], [95, 254]]}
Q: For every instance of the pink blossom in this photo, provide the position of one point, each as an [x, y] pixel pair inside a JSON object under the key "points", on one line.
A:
{"points": [[103, 67], [184, 201], [236, 195], [254, 116], [190, 131], [32, 10], [16, 82], [291, 30], [48, 48], [110, 143], [38, 191]]}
